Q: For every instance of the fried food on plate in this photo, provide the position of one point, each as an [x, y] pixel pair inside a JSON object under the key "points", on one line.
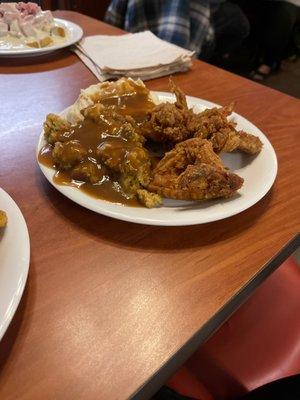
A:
{"points": [[193, 171], [112, 141], [3, 219], [228, 140], [175, 122]]}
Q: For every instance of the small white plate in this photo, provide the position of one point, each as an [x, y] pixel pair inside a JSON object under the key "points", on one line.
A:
{"points": [[14, 260], [259, 173], [74, 33]]}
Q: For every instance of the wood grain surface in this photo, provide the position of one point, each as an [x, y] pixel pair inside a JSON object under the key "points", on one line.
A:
{"points": [[108, 305]]}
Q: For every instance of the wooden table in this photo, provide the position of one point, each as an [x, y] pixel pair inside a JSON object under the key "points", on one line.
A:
{"points": [[112, 309]]}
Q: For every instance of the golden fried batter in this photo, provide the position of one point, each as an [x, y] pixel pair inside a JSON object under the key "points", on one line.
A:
{"points": [[167, 123], [193, 171], [249, 143], [212, 120], [180, 96], [175, 122], [228, 140]]}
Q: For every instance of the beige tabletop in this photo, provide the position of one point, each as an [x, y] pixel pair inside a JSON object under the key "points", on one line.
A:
{"points": [[111, 308]]}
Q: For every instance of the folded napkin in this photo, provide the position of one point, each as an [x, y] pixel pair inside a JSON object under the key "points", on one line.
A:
{"points": [[138, 55]]}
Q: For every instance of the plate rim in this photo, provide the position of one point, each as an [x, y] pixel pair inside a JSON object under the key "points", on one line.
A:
{"points": [[43, 50], [14, 303], [158, 221]]}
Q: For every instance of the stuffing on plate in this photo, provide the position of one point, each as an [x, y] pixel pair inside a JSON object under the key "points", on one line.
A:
{"points": [[3, 219]]}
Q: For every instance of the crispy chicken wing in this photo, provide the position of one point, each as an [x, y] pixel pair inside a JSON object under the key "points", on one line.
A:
{"points": [[171, 122], [249, 143], [193, 171], [228, 140], [167, 123], [212, 120], [175, 122]]}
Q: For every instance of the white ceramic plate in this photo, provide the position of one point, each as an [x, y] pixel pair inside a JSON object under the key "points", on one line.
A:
{"points": [[258, 172], [74, 35], [14, 260]]}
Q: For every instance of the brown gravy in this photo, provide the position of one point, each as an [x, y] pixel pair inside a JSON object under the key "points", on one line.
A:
{"points": [[91, 134]]}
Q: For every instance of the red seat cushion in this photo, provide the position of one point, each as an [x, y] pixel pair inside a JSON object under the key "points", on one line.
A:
{"points": [[186, 383], [259, 343]]}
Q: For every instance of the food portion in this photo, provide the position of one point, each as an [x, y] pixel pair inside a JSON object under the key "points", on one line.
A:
{"points": [[174, 123], [26, 25], [3, 219], [193, 171], [119, 144], [99, 147]]}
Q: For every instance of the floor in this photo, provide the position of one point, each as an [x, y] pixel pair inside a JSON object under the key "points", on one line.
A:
{"points": [[287, 80]]}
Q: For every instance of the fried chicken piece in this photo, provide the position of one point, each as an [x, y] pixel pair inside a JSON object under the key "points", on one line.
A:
{"points": [[249, 143], [180, 96], [170, 122], [67, 155], [87, 171], [175, 122], [166, 123], [212, 120], [228, 140], [54, 129], [193, 171], [3, 219]]}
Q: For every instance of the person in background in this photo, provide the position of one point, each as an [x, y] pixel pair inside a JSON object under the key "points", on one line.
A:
{"points": [[231, 27], [273, 23], [211, 28]]}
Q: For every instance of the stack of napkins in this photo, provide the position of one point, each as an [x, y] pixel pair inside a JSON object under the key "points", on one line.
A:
{"points": [[138, 55]]}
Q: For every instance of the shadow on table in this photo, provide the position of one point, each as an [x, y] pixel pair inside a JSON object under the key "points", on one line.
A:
{"points": [[160, 238]]}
